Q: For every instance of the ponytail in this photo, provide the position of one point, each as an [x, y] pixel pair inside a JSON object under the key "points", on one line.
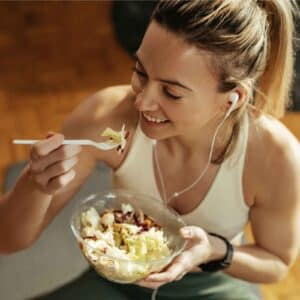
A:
{"points": [[274, 84], [251, 43]]}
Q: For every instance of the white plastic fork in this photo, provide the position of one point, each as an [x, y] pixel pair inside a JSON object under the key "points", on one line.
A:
{"points": [[100, 145]]}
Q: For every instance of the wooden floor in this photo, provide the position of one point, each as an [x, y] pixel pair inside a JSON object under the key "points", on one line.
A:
{"points": [[52, 56]]}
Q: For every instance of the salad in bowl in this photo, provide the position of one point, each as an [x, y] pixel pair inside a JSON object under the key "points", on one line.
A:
{"points": [[125, 235]]}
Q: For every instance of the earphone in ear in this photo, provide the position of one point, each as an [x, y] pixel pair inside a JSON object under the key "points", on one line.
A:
{"points": [[233, 98]]}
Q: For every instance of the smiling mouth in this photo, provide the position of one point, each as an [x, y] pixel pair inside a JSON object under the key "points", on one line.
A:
{"points": [[154, 119]]}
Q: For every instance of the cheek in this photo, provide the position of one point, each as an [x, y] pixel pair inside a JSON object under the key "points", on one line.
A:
{"points": [[136, 84], [192, 115], [137, 89]]}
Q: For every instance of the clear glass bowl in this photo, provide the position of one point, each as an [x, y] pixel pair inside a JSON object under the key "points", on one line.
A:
{"points": [[122, 270]]}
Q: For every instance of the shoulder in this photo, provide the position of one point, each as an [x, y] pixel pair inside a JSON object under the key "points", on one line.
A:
{"points": [[110, 107], [275, 142], [273, 157]]}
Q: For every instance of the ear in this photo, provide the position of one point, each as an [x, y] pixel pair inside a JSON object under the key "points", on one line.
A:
{"points": [[233, 100], [242, 96]]}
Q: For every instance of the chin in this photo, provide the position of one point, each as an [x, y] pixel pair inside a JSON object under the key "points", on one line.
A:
{"points": [[156, 131]]}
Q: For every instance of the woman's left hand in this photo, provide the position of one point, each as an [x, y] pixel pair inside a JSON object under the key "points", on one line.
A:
{"points": [[199, 249]]}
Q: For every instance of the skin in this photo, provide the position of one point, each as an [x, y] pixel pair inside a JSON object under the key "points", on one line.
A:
{"points": [[270, 180]]}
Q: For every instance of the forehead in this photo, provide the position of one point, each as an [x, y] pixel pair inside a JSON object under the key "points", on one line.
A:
{"points": [[167, 53]]}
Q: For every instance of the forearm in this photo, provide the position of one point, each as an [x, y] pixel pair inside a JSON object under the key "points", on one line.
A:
{"points": [[255, 264], [22, 212]]}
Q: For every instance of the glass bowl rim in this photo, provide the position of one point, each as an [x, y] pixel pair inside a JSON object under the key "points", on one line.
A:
{"points": [[112, 190]]}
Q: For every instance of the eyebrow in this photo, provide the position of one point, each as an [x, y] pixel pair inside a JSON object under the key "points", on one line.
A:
{"points": [[173, 82]]}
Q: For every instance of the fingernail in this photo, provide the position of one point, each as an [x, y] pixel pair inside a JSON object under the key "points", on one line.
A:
{"points": [[49, 135]]}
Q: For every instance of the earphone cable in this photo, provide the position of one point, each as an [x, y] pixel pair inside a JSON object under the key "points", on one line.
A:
{"points": [[176, 194]]}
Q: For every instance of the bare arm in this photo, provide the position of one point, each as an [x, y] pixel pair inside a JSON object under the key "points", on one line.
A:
{"points": [[47, 179], [55, 173], [275, 220], [274, 216]]}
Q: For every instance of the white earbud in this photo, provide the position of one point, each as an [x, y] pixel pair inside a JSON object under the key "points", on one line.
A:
{"points": [[233, 98]]}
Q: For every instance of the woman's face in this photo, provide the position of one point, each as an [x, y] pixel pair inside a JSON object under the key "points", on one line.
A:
{"points": [[176, 91]]}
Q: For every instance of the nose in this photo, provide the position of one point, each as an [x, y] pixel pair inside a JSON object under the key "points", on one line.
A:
{"points": [[146, 100]]}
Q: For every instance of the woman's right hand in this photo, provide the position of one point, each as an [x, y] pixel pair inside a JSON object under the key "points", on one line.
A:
{"points": [[52, 164]]}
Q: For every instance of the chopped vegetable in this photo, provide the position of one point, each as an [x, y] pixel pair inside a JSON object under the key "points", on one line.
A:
{"points": [[123, 234], [117, 137]]}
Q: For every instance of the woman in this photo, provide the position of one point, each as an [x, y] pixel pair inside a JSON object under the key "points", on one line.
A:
{"points": [[210, 79]]}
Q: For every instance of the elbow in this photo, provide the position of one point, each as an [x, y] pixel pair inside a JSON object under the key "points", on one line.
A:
{"points": [[274, 279], [279, 277], [283, 266], [6, 250], [9, 247], [16, 240], [279, 273]]}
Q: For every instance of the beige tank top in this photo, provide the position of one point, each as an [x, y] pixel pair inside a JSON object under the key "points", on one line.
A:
{"points": [[222, 211]]}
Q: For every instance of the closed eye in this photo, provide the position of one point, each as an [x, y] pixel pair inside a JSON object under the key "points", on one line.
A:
{"points": [[165, 91], [171, 95]]}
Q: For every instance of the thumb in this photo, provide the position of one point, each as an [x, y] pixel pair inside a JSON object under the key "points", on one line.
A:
{"points": [[192, 233]]}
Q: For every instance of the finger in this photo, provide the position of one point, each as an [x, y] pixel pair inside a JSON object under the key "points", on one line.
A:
{"points": [[61, 181], [62, 167], [41, 181], [56, 169], [62, 153], [169, 275], [192, 232], [44, 147], [196, 270], [180, 277], [149, 284], [68, 151], [33, 154]]}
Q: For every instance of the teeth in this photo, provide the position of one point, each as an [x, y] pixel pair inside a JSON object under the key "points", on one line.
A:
{"points": [[155, 120]]}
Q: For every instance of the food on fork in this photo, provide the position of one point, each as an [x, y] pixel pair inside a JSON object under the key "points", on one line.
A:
{"points": [[120, 242], [117, 137]]}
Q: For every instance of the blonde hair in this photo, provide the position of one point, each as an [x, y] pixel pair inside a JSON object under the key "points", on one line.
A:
{"points": [[251, 42]]}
